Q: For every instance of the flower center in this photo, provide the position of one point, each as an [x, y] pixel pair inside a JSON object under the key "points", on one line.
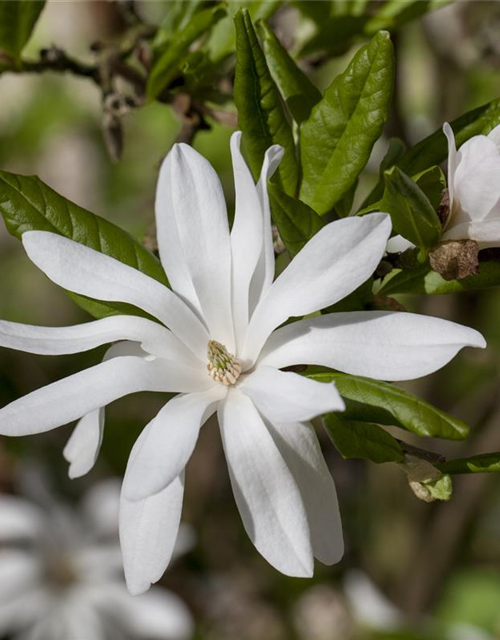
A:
{"points": [[222, 366]]}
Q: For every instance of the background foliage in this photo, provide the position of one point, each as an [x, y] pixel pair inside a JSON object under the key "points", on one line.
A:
{"points": [[94, 115]]}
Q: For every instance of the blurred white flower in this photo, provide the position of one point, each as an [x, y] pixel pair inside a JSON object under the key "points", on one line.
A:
{"points": [[474, 189], [224, 351], [369, 606], [61, 576]]}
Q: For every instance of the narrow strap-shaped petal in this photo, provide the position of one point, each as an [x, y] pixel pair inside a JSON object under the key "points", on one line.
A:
{"points": [[485, 232], [72, 397], [264, 488], [154, 337], [476, 182], [288, 397], [333, 263], [301, 450], [164, 447], [377, 344], [83, 446], [246, 238], [148, 531], [264, 273], [452, 161], [191, 213], [82, 270]]}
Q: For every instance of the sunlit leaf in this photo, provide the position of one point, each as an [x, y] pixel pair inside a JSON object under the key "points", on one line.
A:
{"points": [[337, 139], [370, 400], [299, 92], [260, 110]]}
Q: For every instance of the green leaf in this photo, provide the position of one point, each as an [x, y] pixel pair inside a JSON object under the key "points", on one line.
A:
{"points": [[335, 35], [395, 150], [319, 11], [296, 222], [337, 139], [370, 400], [27, 204], [425, 281], [260, 110], [412, 214], [167, 63], [299, 92], [221, 42], [395, 13], [434, 149], [17, 21], [432, 182], [482, 463], [362, 440]]}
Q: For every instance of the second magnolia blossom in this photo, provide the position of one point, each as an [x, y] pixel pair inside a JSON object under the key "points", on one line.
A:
{"points": [[474, 189], [220, 342]]}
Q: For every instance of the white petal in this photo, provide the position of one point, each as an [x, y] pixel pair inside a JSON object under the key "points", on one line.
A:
{"points": [[148, 531], [191, 214], [154, 337], [494, 135], [265, 491], [157, 615], [477, 180], [246, 238], [485, 232], [82, 449], [19, 519], [288, 397], [452, 161], [264, 273], [398, 244], [84, 445], [82, 270], [299, 446], [377, 344], [71, 398], [164, 447], [333, 263]]}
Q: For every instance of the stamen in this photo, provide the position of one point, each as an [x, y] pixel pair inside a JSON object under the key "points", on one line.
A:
{"points": [[222, 366]]}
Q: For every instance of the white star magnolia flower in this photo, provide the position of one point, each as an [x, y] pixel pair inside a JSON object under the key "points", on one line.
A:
{"points": [[61, 576], [224, 351], [474, 189]]}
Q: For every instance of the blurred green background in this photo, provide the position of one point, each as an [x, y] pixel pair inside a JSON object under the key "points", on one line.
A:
{"points": [[411, 570]]}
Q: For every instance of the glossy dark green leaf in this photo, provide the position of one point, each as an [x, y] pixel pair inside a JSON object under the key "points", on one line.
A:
{"points": [[260, 109], [296, 222], [395, 150], [370, 400], [434, 149], [424, 280], [299, 93], [362, 440], [166, 65], [432, 182], [482, 463], [17, 21], [337, 139], [412, 214], [27, 204]]}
